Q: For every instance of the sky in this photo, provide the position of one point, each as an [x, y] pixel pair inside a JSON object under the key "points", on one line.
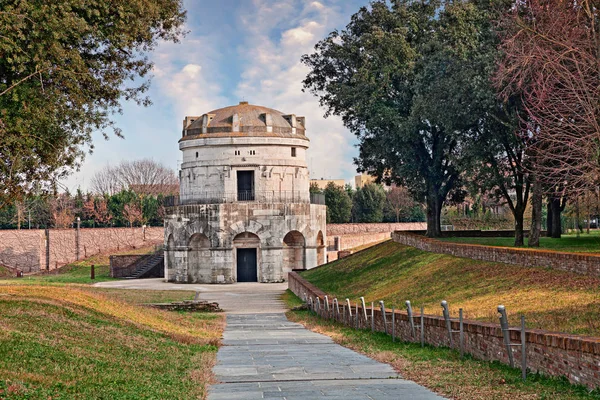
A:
{"points": [[236, 50]]}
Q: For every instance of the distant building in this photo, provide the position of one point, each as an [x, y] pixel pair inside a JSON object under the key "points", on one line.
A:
{"points": [[361, 180], [322, 183], [244, 212]]}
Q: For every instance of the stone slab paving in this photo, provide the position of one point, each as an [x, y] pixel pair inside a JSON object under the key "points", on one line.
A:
{"points": [[237, 297], [264, 356]]}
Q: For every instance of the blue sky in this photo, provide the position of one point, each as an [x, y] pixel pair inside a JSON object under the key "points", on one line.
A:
{"points": [[235, 50]]}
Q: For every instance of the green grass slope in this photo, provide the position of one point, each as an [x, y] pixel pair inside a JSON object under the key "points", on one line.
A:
{"points": [[570, 243], [551, 300], [73, 343]]}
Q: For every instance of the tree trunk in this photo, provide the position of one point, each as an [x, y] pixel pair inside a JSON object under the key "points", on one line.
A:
{"points": [[536, 215], [577, 225], [434, 211], [519, 227], [589, 215], [549, 218], [556, 225]]}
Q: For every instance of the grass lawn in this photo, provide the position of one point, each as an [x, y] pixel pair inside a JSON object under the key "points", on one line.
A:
{"points": [[551, 300], [78, 342], [570, 243], [442, 370]]}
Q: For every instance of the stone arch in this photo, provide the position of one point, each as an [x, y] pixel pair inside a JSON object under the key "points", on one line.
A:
{"points": [[247, 257], [253, 227], [199, 259], [294, 245], [320, 248]]}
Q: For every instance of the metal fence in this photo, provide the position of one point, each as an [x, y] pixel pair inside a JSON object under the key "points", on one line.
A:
{"points": [[361, 318], [269, 196]]}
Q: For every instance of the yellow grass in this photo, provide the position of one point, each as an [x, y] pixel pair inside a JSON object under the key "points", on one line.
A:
{"points": [[177, 326]]}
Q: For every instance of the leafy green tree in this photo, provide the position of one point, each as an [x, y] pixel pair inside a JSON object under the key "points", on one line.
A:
{"points": [[314, 188], [368, 203], [65, 68], [392, 77], [339, 204]]}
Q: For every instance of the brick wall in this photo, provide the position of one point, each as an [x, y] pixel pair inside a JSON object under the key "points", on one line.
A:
{"points": [[571, 262], [350, 236], [353, 229], [26, 249], [555, 354], [22, 249]]}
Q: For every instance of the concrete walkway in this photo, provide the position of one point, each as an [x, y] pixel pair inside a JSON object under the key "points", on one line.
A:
{"points": [[266, 356]]}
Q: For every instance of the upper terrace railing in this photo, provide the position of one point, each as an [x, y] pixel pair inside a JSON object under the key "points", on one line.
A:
{"points": [[246, 197]]}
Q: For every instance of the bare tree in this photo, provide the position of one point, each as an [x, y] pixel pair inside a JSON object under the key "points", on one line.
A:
{"points": [[106, 181], [400, 201], [552, 57], [144, 176]]}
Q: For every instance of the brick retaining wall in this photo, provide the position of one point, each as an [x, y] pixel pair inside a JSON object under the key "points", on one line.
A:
{"points": [[584, 264], [349, 236], [575, 357], [26, 249]]}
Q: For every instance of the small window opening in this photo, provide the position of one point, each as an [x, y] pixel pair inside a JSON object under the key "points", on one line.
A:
{"points": [[196, 154], [293, 152]]}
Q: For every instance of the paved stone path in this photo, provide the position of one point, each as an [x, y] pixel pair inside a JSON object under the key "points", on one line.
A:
{"points": [[239, 297], [266, 356]]}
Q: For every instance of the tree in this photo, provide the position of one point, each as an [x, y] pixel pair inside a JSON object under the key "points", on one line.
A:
{"points": [[368, 202], [552, 57], [65, 68], [399, 201], [132, 213], [62, 211], [314, 188], [145, 177], [398, 76], [339, 204]]}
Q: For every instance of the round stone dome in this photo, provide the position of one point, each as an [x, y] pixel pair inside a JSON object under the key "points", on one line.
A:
{"points": [[244, 119]]}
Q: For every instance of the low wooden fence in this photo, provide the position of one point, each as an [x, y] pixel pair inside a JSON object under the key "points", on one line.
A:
{"points": [[555, 354]]}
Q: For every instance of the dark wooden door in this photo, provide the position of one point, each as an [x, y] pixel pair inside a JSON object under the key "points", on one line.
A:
{"points": [[246, 265], [245, 184]]}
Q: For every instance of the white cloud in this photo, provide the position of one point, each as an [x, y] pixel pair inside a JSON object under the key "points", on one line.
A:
{"points": [[273, 77]]}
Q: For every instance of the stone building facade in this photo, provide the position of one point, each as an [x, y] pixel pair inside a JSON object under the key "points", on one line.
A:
{"points": [[244, 213]]}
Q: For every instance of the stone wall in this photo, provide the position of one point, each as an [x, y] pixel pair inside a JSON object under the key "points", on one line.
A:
{"points": [[555, 354], [584, 264], [228, 227], [26, 249]]}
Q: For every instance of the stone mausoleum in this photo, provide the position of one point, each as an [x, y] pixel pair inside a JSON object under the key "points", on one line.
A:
{"points": [[244, 212]]}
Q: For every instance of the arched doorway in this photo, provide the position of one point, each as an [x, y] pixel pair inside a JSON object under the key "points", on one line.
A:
{"points": [[246, 246], [199, 269], [320, 249], [293, 251]]}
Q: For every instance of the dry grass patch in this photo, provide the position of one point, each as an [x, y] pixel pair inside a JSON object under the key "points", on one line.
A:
{"points": [[550, 300], [72, 298]]}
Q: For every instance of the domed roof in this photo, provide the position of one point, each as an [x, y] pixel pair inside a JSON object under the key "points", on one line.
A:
{"points": [[244, 119]]}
